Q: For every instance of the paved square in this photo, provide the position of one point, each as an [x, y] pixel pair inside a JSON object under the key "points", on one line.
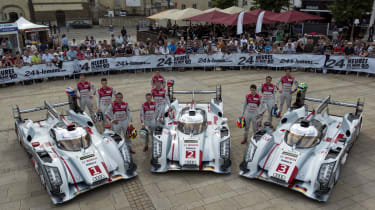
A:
{"points": [[20, 187]]}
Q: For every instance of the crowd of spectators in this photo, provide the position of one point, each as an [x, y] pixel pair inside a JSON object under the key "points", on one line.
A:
{"points": [[59, 49]]}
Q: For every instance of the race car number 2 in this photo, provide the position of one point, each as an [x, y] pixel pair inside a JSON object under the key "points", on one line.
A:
{"points": [[190, 154]]}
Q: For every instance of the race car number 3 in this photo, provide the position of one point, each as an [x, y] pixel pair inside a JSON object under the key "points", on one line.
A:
{"points": [[282, 168]]}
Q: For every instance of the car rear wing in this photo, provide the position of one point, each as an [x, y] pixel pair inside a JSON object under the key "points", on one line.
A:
{"points": [[218, 92], [324, 103], [50, 107]]}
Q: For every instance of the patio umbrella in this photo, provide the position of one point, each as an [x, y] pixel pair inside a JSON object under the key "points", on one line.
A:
{"points": [[209, 17], [212, 9], [294, 16], [267, 14], [162, 15], [234, 10], [183, 14]]}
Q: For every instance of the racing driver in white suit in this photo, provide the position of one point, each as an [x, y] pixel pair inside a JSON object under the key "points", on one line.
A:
{"points": [[287, 81], [148, 116], [86, 91], [118, 114], [104, 97], [269, 96]]}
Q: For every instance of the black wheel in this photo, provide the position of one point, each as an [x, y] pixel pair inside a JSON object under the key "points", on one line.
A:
{"points": [[358, 130]]}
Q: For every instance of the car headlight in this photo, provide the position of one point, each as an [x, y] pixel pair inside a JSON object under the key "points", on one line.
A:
{"points": [[54, 178], [325, 173], [225, 149], [156, 148], [250, 152]]}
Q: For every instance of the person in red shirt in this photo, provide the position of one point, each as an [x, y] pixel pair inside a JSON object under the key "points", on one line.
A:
{"points": [[180, 49], [250, 111], [157, 77], [80, 55], [104, 97], [148, 116], [339, 50]]}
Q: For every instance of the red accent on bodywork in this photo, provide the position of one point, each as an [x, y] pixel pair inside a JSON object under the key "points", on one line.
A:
{"points": [[172, 152], [282, 130], [338, 137], [107, 126], [268, 156], [192, 105], [106, 170], [209, 122], [200, 160], [89, 130], [338, 125], [293, 175], [311, 113], [70, 172], [35, 144], [40, 125], [215, 119], [328, 139], [208, 107]]}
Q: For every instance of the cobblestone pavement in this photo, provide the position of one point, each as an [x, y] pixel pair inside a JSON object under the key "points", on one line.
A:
{"points": [[20, 187]]}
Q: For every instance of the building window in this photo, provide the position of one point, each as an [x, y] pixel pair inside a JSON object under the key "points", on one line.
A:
{"points": [[194, 6], [209, 3], [183, 6], [244, 3], [158, 4]]}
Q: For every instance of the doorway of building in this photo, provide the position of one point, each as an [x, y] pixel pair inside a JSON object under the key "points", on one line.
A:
{"points": [[13, 16], [60, 18]]}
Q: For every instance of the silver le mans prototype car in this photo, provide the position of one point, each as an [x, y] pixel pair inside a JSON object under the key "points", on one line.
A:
{"points": [[69, 154], [307, 150], [194, 136]]}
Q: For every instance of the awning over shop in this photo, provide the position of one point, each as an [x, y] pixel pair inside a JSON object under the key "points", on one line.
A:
{"points": [[54, 7], [162, 15], [183, 14]]}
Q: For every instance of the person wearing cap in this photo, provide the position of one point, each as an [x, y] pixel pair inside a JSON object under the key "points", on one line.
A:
{"points": [[148, 116], [287, 81], [56, 60], [36, 59], [47, 57], [27, 58]]}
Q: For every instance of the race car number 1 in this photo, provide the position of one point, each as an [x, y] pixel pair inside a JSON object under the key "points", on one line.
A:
{"points": [[95, 170]]}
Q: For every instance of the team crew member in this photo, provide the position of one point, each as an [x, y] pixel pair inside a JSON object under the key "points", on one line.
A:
{"points": [[148, 116], [269, 96], [104, 97], [157, 77], [160, 97], [286, 91], [85, 90], [118, 114], [250, 111]]}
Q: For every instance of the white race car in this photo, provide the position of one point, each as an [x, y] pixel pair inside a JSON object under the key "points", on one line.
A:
{"points": [[69, 154], [194, 136], [307, 150]]}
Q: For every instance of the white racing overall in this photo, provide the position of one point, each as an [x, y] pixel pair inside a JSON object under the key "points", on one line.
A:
{"points": [[104, 99], [148, 116], [250, 111], [269, 98], [85, 90], [286, 90], [121, 113]]}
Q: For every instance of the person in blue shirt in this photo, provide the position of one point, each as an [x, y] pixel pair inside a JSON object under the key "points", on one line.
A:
{"points": [[268, 47], [172, 47], [64, 42]]}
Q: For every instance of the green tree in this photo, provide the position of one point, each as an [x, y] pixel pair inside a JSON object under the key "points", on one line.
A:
{"points": [[271, 5], [346, 11], [223, 4]]}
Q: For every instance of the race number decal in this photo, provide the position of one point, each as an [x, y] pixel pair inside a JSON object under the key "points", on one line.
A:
{"points": [[190, 154], [95, 170], [282, 168]]}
